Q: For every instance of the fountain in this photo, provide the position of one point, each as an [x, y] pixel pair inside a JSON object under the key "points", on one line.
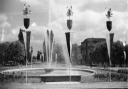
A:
{"points": [[49, 72]]}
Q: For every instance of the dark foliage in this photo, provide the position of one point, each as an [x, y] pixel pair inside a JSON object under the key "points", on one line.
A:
{"points": [[12, 52], [100, 54]]}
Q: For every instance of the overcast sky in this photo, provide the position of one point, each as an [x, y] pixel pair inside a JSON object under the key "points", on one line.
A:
{"points": [[88, 19]]}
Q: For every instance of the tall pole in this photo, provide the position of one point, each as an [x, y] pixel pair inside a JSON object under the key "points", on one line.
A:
{"points": [[26, 12], [31, 56], [69, 25], [109, 27]]}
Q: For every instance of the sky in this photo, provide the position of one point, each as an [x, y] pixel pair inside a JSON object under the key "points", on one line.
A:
{"points": [[89, 19]]}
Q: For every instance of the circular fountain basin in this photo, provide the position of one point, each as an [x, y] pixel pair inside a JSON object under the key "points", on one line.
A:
{"points": [[50, 74]]}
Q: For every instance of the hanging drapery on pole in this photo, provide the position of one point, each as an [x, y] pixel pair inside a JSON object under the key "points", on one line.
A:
{"points": [[108, 44], [28, 35], [26, 22], [68, 41], [69, 24], [109, 25]]}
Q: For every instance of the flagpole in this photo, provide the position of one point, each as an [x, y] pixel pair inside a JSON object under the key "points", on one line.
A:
{"points": [[26, 19], [110, 55], [69, 25], [109, 27], [26, 57], [31, 56]]}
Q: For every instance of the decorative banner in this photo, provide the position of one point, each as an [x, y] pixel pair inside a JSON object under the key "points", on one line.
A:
{"points": [[26, 22], [109, 25], [68, 41], [108, 44], [69, 24], [111, 38], [28, 34]]}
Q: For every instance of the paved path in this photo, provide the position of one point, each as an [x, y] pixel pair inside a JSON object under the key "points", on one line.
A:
{"points": [[67, 85]]}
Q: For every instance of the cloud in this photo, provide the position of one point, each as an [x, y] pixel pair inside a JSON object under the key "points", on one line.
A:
{"points": [[3, 17], [100, 1], [93, 24], [88, 20], [32, 2], [90, 23], [120, 27], [34, 24]]}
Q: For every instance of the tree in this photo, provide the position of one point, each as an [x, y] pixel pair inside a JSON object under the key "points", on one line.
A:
{"points": [[16, 52], [100, 55], [3, 48], [126, 50], [117, 53]]}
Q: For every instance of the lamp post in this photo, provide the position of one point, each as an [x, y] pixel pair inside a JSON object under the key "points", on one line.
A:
{"points": [[26, 22], [109, 27]]}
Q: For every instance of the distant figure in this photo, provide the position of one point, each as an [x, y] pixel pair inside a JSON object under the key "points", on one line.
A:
{"points": [[69, 12], [109, 13]]}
